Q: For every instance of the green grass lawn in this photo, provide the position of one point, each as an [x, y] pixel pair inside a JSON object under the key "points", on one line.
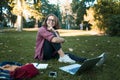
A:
{"points": [[20, 47]]}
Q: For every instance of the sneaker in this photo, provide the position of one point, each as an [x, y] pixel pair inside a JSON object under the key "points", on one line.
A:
{"points": [[66, 59], [101, 61]]}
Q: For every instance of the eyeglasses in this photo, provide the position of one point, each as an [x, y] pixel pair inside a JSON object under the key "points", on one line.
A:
{"points": [[51, 20]]}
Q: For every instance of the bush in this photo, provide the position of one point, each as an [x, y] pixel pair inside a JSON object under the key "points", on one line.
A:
{"points": [[30, 24], [113, 25]]}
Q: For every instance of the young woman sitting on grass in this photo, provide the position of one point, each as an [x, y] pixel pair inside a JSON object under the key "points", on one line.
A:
{"points": [[49, 43]]}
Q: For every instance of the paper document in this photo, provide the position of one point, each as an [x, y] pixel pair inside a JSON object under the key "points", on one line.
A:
{"points": [[40, 65]]}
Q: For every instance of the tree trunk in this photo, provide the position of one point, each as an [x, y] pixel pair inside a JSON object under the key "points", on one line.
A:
{"points": [[19, 23], [36, 23], [19, 16]]}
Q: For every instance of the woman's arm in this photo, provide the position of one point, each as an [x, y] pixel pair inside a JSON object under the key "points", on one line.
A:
{"points": [[57, 39], [9, 67]]}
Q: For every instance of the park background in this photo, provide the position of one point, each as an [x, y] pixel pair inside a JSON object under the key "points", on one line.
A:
{"points": [[21, 19], [99, 15]]}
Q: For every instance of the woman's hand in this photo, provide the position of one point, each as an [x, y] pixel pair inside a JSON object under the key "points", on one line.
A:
{"points": [[51, 29]]}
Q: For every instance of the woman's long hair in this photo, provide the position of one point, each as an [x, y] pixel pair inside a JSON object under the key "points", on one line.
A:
{"points": [[57, 24]]}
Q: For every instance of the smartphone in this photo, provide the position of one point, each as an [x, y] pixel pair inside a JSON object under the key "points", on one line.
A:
{"points": [[52, 74]]}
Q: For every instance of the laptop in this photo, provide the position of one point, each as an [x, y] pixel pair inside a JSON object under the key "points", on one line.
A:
{"points": [[79, 68]]}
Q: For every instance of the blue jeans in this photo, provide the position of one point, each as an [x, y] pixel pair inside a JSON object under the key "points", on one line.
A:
{"points": [[76, 58]]}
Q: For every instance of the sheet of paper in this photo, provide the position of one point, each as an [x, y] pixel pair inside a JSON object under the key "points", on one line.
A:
{"points": [[40, 65]]}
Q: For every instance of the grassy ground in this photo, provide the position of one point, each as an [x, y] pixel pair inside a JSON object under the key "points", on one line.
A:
{"points": [[20, 46]]}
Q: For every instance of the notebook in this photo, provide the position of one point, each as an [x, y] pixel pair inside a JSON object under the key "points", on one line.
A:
{"points": [[79, 68], [40, 65]]}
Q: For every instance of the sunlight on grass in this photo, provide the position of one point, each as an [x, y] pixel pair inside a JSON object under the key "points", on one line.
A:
{"points": [[64, 32], [76, 32]]}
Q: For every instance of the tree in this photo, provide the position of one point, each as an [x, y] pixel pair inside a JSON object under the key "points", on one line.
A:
{"points": [[37, 14], [89, 17], [79, 7], [22, 7], [50, 8], [5, 12], [107, 16], [18, 10], [3, 4]]}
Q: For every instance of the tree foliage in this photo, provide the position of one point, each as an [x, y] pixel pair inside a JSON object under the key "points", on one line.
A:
{"points": [[5, 13], [108, 16], [79, 7], [31, 9], [11, 9], [3, 4], [27, 10], [50, 8]]}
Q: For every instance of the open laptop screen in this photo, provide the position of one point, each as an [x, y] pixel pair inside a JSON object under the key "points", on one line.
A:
{"points": [[88, 64], [77, 68]]}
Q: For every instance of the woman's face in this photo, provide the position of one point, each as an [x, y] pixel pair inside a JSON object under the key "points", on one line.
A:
{"points": [[51, 21]]}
